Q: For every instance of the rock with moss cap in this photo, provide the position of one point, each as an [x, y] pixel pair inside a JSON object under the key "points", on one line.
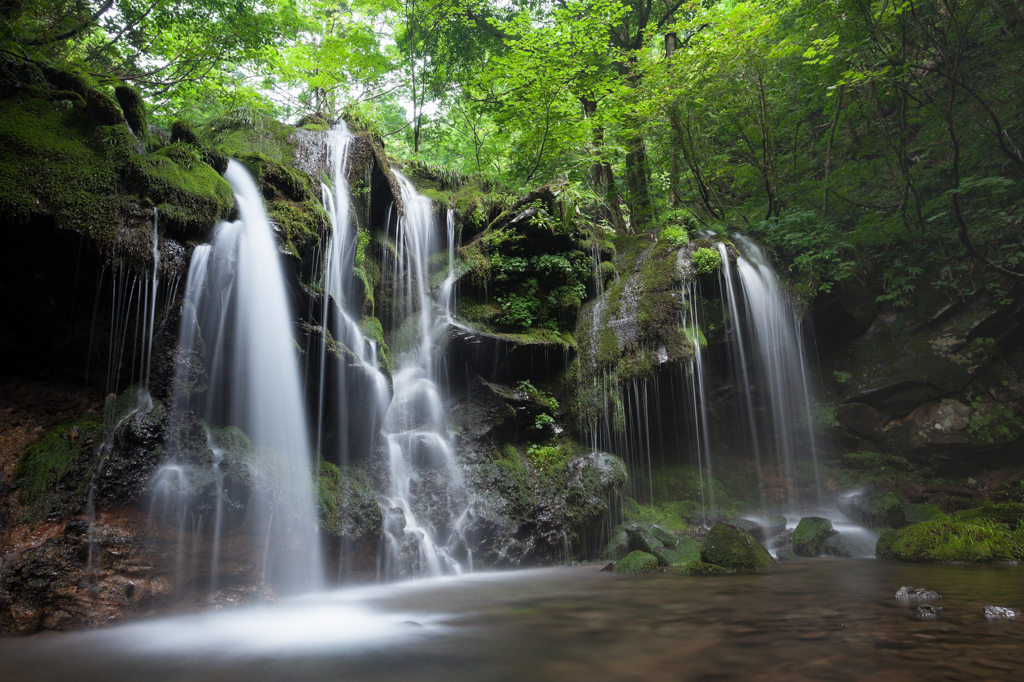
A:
{"points": [[134, 109], [1008, 513], [732, 547], [810, 536], [836, 546], [920, 513], [637, 562], [182, 131], [977, 541], [873, 509]]}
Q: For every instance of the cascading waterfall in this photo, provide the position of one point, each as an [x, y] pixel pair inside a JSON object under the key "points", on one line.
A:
{"points": [[337, 322], [698, 383], [237, 314], [769, 364], [425, 481]]}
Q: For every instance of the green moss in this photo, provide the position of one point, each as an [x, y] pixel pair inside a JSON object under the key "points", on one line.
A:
{"points": [[59, 162], [666, 515], [1008, 513], [920, 513], [952, 540], [702, 568], [810, 535], [52, 473], [687, 551], [873, 509], [266, 137], [637, 562], [347, 506], [373, 330], [134, 108], [190, 200], [731, 547]]}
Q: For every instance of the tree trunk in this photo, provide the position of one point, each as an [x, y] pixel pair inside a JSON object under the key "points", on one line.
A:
{"points": [[603, 177]]}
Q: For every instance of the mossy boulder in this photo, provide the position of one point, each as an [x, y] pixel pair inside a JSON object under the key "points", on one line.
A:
{"points": [[637, 562], [703, 568], [732, 547], [810, 535], [641, 539], [920, 513], [190, 197], [1008, 513], [666, 538], [977, 541], [686, 551], [873, 509], [836, 546]]}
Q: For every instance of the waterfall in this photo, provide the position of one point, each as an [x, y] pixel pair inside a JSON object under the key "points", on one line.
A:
{"points": [[425, 482], [338, 325], [236, 308], [770, 366]]}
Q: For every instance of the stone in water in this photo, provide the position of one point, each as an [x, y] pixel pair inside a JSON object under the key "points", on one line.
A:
{"points": [[910, 592], [994, 612]]}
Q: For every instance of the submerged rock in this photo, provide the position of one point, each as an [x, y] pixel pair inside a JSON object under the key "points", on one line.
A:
{"points": [[810, 536], [919, 593], [637, 562], [927, 611], [703, 568], [731, 547], [785, 555], [873, 510]]}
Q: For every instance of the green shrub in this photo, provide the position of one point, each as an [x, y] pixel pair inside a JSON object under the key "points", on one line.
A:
{"points": [[705, 261]]}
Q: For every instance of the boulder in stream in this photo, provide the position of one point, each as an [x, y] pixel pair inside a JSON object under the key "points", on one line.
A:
{"points": [[810, 535], [731, 547], [1000, 612], [919, 593], [836, 546], [703, 568], [637, 562], [873, 509]]}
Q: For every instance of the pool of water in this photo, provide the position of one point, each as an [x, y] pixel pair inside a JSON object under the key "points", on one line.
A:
{"points": [[820, 619]]}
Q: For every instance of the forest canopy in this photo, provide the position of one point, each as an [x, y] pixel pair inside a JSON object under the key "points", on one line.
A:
{"points": [[857, 137]]}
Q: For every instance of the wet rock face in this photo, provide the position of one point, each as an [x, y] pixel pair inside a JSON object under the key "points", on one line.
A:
{"points": [[873, 509], [731, 547]]}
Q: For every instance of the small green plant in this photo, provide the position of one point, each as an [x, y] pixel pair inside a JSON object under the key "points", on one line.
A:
{"points": [[543, 421], [675, 235], [842, 377], [705, 261], [994, 425]]}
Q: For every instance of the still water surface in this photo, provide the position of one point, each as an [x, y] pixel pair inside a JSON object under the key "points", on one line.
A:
{"points": [[818, 619]]}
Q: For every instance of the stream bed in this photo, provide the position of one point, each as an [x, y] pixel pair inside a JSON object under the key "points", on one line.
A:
{"points": [[820, 619]]}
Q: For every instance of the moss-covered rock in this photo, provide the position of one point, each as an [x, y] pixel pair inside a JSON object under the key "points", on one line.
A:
{"points": [[134, 109], [836, 546], [762, 529], [732, 547], [52, 475], [919, 513], [183, 132], [347, 505], [703, 568], [810, 535], [1010, 514], [640, 539], [951, 541], [190, 197], [873, 509], [637, 562], [687, 550]]}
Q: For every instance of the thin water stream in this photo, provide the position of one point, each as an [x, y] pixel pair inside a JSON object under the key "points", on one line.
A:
{"points": [[819, 619]]}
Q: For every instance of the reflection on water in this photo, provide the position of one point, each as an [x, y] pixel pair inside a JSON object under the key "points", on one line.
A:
{"points": [[818, 619]]}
